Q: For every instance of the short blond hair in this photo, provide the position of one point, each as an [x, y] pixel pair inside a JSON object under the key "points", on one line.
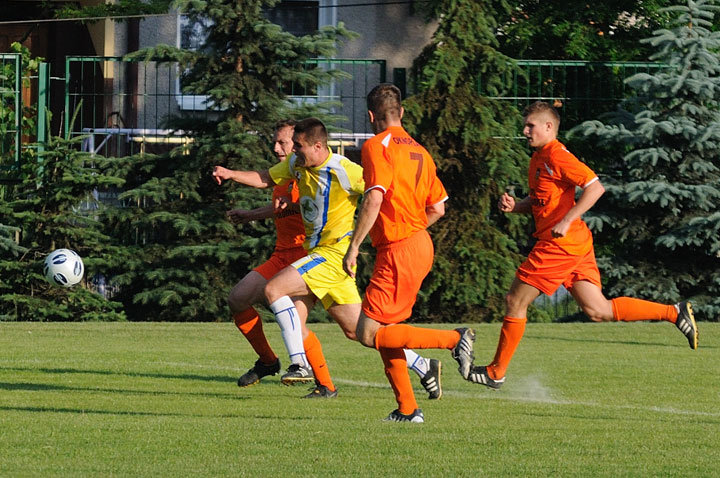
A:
{"points": [[541, 107]]}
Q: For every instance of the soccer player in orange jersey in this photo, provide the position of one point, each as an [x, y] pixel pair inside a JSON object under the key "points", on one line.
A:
{"points": [[403, 196], [285, 212], [563, 254]]}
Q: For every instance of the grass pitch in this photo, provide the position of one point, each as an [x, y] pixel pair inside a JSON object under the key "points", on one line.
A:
{"points": [[148, 399]]}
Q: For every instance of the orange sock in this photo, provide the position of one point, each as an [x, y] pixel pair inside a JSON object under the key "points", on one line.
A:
{"points": [[510, 334], [250, 325], [316, 359], [628, 309], [403, 336], [399, 378]]}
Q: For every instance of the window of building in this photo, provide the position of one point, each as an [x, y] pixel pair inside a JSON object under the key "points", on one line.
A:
{"points": [[299, 17]]}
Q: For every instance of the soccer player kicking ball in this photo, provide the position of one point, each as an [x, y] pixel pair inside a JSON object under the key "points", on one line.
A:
{"points": [[403, 196], [330, 186], [564, 251], [285, 212]]}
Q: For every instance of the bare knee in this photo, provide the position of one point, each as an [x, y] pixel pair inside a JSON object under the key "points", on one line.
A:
{"points": [[597, 314], [366, 330], [515, 306]]}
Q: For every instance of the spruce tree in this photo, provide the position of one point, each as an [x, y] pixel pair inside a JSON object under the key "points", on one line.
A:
{"points": [[659, 219], [471, 139], [53, 207], [183, 254]]}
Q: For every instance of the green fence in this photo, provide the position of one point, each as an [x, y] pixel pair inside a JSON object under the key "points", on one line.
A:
{"points": [[124, 106], [10, 114], [581, 90]]}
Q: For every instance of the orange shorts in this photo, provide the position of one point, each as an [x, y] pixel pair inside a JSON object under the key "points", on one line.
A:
{"points": [[279, 260], [400, 268], [548, 266]]}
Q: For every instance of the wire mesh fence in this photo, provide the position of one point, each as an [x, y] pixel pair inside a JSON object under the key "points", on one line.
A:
{"points": [[124, 107], [580, 90]]}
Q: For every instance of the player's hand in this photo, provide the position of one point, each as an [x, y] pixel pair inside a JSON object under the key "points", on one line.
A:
{"points": [[350, 261], [281, 203], [221, 174], [239, 216], [506, 203], [560, 229]]}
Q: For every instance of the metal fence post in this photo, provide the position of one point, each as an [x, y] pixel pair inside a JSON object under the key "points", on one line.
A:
{"points": [[42, 103]]}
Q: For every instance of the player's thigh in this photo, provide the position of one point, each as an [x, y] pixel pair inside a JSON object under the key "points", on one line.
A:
{"points": [[592, 301], [519, 298], [249, 291], [346, 315], [286, 282]]}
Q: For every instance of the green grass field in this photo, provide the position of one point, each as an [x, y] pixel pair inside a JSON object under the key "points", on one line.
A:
{"points": [[138, 399]]}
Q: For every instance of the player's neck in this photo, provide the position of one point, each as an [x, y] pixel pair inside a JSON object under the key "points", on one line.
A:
{"points": [[382, 125]]}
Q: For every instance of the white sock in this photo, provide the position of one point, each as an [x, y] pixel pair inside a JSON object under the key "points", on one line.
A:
{"points": [[287, 318], [416, 363]]}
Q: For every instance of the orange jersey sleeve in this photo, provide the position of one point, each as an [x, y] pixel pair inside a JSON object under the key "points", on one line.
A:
{"points": [[553, 176], [288, 224], [406, 174]]}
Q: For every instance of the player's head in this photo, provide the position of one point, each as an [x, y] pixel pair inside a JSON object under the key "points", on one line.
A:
{"points": [[384, 104], [283, 138], [310, 142], [541, 124]]}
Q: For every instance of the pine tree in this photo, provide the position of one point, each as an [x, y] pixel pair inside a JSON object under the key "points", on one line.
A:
{"points": [[471, 139], [660, 216], [183, 254]]}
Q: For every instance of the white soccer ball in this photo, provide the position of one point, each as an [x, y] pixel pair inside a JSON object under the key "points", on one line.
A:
{"points": [[63, 267]]}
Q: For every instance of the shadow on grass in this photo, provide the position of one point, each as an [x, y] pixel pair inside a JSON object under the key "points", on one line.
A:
{"points": [[46, 387], [203, 378], [84, 411], [682, 341]]}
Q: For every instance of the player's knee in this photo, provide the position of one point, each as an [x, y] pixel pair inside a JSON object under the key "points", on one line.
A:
{"points": [[236, 301], [364, 336], [512, 302], [597, 314]]}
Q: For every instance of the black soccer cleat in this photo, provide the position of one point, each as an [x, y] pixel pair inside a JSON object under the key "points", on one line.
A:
{"points": [[686, 323], [321, 391], [479, 374], [297, 373], [432, 382], [463, 351], [258, 371], [415, 417]]}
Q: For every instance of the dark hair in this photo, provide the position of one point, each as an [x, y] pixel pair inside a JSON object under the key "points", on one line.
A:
{"points": [[385, 100], [284, 123], [313, 129], [542, 107]]}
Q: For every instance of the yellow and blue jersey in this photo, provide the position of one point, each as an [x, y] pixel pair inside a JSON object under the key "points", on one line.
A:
{"points": [[329, 195]]}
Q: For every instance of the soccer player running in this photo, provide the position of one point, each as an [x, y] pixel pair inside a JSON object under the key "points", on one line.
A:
{"points": [[564, 251], [330, 186], [403, 196], [290, 230]]}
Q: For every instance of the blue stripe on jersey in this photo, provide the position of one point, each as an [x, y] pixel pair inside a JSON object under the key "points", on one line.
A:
{"points": [[326, 175], [310, 264]]}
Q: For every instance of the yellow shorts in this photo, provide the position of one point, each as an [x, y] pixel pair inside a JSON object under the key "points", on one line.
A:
{"points": [[322, 271]]}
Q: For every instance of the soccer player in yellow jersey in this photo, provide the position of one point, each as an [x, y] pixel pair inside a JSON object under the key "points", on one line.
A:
{"points": [[330, 186]]}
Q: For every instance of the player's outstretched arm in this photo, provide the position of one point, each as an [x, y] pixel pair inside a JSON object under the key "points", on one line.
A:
{"points": [[254, 179], [369, 210], [587, 199], [242, 216], [507, 203]]}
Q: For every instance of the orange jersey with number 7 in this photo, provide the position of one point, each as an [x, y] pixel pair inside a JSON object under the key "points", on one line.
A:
{"points": [[398, 165]]}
